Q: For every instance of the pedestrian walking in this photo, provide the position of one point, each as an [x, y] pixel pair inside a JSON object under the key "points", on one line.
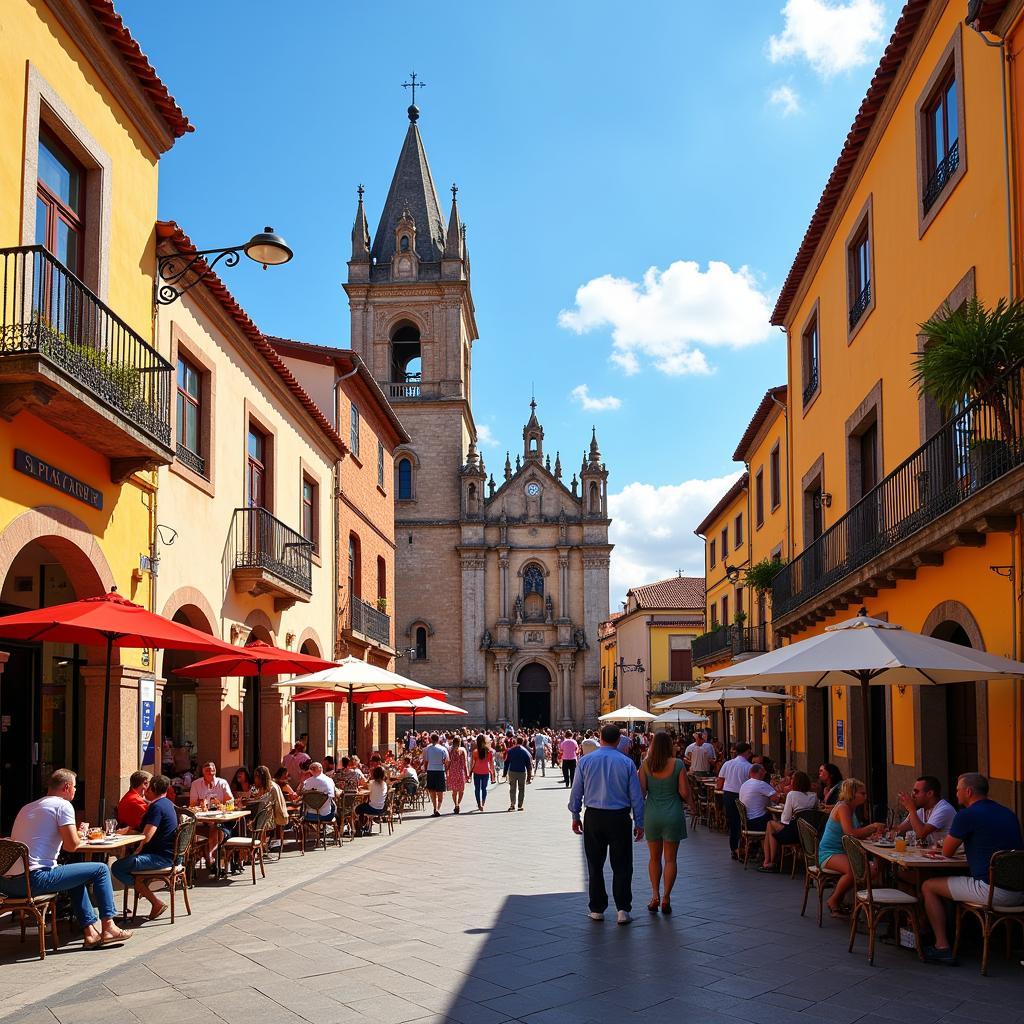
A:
{"points": [[458, 771], [731, 776], [483, 770], [607, 783], [436, 758], [665, 787], [519, 772], [570, 752], [540, 747]]}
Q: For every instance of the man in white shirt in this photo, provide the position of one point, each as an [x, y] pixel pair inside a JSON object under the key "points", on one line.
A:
{"points": [[699, 755], [927, 813], [540, 749], [731, 776], [210, 787], [320, 783], [755, 795], [590, 744], [436, 758], [45, 826]]}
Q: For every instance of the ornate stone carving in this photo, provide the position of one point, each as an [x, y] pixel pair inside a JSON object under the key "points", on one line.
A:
{"points": [[486, 640], [534, 636], [517, 609], [579, 638], [596, 561]]}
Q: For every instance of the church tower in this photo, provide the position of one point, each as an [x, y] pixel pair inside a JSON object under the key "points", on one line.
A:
{"points": [[414, 324]]}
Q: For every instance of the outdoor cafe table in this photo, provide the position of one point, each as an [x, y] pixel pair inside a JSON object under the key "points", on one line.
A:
{"points": [[96, 848], [917, 864]]}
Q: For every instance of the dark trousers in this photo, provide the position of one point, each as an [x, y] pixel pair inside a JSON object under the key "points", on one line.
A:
{"points": [[732, 819], [568, 771], [605, 831]]}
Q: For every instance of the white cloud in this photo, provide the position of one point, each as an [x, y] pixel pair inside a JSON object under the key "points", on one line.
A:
{"points": [[786, 99], [652, 530], [591, 404], [669, 313], [485, 436], [831, 35]]}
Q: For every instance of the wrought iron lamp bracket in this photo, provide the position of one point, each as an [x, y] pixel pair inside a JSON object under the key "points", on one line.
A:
{"points": [[175, 267]]}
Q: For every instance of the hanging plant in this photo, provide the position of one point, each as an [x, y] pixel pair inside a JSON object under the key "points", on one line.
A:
{"points": [[760, 575]]}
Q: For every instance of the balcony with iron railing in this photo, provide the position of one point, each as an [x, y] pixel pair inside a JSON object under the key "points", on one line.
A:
{"points": [[269, 557], [728, 642], [369, 622], [961, 484], [412, 386], [68, 358]]}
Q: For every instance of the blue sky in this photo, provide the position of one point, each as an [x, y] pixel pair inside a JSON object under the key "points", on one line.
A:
{"points": [[589, 147]]}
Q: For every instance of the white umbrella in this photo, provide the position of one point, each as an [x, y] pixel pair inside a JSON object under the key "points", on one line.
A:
{"points": [[679, 717], [627, 714], [414, 705], [873, 653]]}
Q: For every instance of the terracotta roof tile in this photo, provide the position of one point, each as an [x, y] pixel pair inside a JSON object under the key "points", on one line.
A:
{"points": [[131, 53], [169, 231], [768, 403], [675, 592], [737, 488]]}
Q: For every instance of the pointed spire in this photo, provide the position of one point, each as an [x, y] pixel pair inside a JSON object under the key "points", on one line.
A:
{"points": [[360, 231], [483, 468], [595, 452], [453, 239], [547, 462], [508, 467], [558, 466], [575, 484], [490, 487], [519, 464], [583, 464]]}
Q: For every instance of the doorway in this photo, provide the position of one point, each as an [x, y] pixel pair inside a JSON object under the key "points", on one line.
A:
{"points": [[879, 767], [534, 696]]}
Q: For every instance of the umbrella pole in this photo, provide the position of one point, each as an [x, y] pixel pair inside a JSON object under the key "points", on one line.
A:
{"points": [[351, 722], [256, 715], [106, 727]]}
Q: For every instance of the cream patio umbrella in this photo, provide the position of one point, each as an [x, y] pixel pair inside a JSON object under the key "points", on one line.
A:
{"points": [[629, 713], [870, 652], [679, 717]]}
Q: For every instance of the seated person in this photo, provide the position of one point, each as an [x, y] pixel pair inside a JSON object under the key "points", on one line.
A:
{"points": [[281, 778], [215, 791], [320, 783], [133, 804], [329, 766], [928, 815], [829, 780], [159, 825], [241, 784], [45, 826], [350, 778], [780, 833], [755, 795], [375, 803], [983, 827], [844, 821], [408, 774]]}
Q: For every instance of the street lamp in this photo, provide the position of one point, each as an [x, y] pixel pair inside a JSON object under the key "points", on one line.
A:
{"points": [[732, 573], [265, 247]]}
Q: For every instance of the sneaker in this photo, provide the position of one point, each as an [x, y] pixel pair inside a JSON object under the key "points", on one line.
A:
{"points": [[522, 808], [597, 915], [932, 955], [623, 917]]}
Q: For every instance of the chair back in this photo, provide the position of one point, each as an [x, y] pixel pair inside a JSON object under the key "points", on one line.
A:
{"points": [[314, 800], [815, 817], [11, 851], [263, 818], [183, 837], [859, 865], [808, 841], [1005, 871], [742, 810]]}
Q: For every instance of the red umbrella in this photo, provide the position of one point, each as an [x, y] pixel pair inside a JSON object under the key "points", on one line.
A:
{"points": [[115, 621], [368, 697], [256, 659]]}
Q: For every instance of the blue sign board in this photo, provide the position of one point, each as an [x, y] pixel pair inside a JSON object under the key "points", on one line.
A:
{"points": [[147, 721], [840, 734]]}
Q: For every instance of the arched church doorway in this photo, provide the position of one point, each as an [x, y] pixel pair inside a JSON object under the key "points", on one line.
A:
{"points": [[42, 701], [534, 696]]}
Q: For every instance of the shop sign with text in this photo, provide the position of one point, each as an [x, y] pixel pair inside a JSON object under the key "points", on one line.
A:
{"points": [[58, 479]]}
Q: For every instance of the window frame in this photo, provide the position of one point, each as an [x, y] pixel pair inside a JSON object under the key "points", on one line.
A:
{"points": [[354, 430], [759, 498], [184, 398], [775, 477], [712, 559], [810, 389], [723, 537], [381, 466], [182, 347], [418, 630], [354, 576], [253, 420], [861, 234], [57, 210], [307, 475], [405, 456], [737, 531]]}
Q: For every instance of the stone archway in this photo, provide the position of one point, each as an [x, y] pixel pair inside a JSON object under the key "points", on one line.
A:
{"points": [[533, 688]]}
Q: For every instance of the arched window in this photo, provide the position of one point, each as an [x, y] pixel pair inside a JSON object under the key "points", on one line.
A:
{"points": [[406, 364], [404, 244], [404, 479], [595, 498], [472, 504], [355, 581], [533, 580], [421, 643]]}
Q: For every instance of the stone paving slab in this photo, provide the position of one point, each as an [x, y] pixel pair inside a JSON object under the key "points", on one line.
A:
{"points": [[481, 919]]}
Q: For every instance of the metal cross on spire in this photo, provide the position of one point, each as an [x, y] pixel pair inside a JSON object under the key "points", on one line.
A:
{"points": [[414, 85]]}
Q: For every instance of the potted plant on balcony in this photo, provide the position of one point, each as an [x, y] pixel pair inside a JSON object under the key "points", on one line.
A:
{"points": [[760, 575], [967, 356], [382, 605]]}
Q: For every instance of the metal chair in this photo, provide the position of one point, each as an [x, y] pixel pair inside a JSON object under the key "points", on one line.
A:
{"points": [[748, 836], [874, 903], [695, 787], [1005, 871], [814, 875], [176, 876], [256, 841], [35, 906], [346, 803], [312, 803], [386, 815]]}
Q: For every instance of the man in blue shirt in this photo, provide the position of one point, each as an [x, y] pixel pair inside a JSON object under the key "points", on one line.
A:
{"points": [[519, 772], [983, 827], [607, 782]]}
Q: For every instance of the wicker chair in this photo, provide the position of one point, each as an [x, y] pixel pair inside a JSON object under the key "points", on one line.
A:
{"points": [[346, 803], [176, 876], [874, 903], [37, 907], [386, 816], [256, 842], [814, 875], [1005, 871], [312, 803], [748, 836]]}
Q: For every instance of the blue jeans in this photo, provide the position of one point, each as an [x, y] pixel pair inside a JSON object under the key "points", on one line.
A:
{"points": [[122, 869], [480, 786], [74, 879]]}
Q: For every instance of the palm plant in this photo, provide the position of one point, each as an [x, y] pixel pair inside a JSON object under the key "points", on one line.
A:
{"points": [[967, 352]]}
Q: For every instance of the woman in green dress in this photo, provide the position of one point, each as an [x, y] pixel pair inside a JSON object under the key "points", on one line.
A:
{"points": [[665, 787]]}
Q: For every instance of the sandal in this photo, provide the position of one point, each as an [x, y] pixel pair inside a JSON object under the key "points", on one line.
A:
{"points": [[92, 943], [654, 905], [118, 935], [838, 911], [666, 906]]}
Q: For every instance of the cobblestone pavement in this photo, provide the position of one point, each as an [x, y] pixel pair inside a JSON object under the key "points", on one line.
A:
{"points": [[481, 919]]}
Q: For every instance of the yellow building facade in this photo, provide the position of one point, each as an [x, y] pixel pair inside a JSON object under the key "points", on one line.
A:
{"points": [[891, 508], [84, 392]]}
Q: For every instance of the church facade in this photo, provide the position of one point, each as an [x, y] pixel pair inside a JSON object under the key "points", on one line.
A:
{"points": [[500, 585]]}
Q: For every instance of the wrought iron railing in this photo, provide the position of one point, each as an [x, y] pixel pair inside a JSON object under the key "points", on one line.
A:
{"points": [[729, 641], [193, 460], [46, 310], [942, 173], [982, 441], [667, 687], [263, 542], [812, 383], [370, 621], [404, 389], [862, 302]]}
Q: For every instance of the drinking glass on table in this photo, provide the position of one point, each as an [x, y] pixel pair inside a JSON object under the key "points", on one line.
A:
{"points": [[83, 828], [110, 826]]}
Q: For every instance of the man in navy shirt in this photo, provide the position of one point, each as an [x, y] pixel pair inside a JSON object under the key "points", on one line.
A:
{"points": [[983, 827], [518, 770], [159, 826]]}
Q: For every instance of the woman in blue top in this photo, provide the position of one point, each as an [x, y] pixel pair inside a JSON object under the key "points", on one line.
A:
{"points": [[843, 821]]}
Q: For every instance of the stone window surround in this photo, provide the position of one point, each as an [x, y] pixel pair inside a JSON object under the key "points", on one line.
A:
{"points": [[775, 478], [44, 106], [815, 473], [864, 218], [183, 344], [867, 413], [262, 423], [814, 317], [952, 58], [414, 465], [306, 472]]}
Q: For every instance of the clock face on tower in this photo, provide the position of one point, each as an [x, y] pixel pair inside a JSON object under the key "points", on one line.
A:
{"points": [[533, 489]]}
